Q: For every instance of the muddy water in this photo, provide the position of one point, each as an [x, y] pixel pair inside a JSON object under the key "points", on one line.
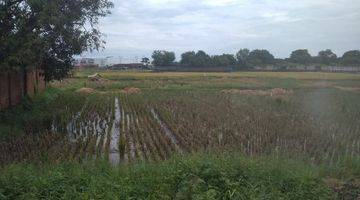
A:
{"points": [[105, 136], [101, 135], [71, 127], [122, 126], [114, 154], [75, 128], [167, 131], [131, 138], [95, 131]]}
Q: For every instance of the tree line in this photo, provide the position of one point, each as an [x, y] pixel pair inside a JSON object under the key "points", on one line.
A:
{"points": [[246, 59]]}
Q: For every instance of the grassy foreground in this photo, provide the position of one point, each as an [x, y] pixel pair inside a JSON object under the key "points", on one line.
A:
{"points": [[195, 177]]}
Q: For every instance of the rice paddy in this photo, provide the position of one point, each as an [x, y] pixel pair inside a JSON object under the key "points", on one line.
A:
{"points": [[145, 135], [131, 117]]}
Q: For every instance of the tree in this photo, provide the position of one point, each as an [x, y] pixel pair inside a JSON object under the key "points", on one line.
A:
{"points": [[242, 57], [230, 58], [163, 58], [145, 61], [300, 56], [260, 57], [47, 34], [224, 60], [327, 57], [188, 58], [202, 59], [192, 59], [351, 58]]}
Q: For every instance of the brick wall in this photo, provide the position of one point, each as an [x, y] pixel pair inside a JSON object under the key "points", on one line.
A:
{"points": [[20, 84]]}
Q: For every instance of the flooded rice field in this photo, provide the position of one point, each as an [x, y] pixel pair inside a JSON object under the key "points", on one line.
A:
{"points": [[124, 128]]}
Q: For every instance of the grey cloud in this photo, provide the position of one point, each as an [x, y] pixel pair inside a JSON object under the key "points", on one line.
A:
{"points": [[137, 27]]}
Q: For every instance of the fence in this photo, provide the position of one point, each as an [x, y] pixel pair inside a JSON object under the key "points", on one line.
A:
{"points": [[193, 69], [14, 86], [310, 68]]}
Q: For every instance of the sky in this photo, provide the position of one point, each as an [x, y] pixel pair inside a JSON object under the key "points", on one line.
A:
{"points": [[137, 27]]}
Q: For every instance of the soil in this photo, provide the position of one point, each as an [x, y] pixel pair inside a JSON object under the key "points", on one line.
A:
{"points": [[347, 190], [272, 92], [131, 90], [63, 83], [85, 90], [279, 91], [95, 77]]}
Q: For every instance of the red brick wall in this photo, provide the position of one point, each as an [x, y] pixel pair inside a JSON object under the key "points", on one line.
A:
{"points": [[34, 83]]}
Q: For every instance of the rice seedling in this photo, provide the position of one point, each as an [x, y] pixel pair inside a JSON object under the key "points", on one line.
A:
{"points": [[321, 125]]}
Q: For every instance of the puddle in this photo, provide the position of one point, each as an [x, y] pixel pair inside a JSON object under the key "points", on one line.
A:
{"points": [[114, 155], [167, 131], [131, 140], [105, 137], [106, 133]]}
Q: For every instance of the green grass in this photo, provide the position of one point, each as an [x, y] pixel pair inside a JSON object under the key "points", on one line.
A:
{"points": [[34, 115], [218, 81], [34, 111], [205, 176]]}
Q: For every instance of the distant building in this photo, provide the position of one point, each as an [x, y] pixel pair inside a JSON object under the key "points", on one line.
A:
{"points": [[90, 62], [101, 62], [84, 62]]}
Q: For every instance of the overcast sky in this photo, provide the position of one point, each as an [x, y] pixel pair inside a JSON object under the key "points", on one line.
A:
{"points": [[137, 27]]}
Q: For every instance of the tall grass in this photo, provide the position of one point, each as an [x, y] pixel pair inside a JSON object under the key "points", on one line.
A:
{"points": [[206, 176]]}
